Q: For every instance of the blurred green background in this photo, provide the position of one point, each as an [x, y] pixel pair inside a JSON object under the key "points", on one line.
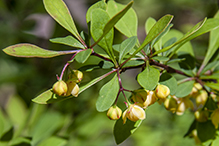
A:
{"points": [[76, 120]]}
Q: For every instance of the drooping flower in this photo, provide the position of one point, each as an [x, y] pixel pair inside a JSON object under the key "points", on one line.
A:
{"points": [[162, 91], [75, 76], [60, 88], [114, 113], [133, 113], [201, 115], [171, 104], [73, 88]]}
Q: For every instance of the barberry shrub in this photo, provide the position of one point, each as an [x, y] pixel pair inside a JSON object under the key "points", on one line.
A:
{"points": [[162, 56]]}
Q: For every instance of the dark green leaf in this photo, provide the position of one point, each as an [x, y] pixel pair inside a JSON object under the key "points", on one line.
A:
{"points": [[59, 11], [108, 94], [69, 41], [126, 46], [29, 50], [82, 56], [123, 131], [8, 135], [211, 104], [205, 130], [100, 4], [168, 80], [149, 78], [128, 24], [21, 141], [184, 89]]}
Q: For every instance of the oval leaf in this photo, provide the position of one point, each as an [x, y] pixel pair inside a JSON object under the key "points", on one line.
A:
{"points": [[59, 11], [69, 41], [168, 80], [108, 94], [205, 130], [82, 56], [29, 50], [128, 24], [184, 89], [149, 78]]}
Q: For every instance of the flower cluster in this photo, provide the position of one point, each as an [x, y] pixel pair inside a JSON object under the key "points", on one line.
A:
{"points": [[69, 87]]}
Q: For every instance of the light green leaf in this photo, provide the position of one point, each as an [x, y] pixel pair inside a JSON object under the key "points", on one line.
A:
{"points": [[16, 115], [59, 11], [128, 24], [50, 121], [29, 50], [149, 24], [157, 29], [21, 141], [126, 46], [213, 85], [123, 131], [133, 63], [211, 66], [160, 58], [168, 80], [53, 141], [99, 19], [213, 41], [100, 4], [149, 78], [184, 89], [107, 95], [69, 41], [82, 56], [213, 76]]}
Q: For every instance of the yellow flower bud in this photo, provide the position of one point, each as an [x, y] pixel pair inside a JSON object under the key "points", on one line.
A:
{"points": [[201, 98], [183, 104], [139, 96], [114, 113], [162, 91], [215, 118], [201, 116], [133, 113], [171, 104], [151, 99], [75, 76], [195, 136], [73, 89], [60, 88]]}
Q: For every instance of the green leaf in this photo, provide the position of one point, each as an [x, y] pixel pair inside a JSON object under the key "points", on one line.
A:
{"points": [[50, 121], [215, 142], [157, 29], [212, 85], [106, 64], [100, 4], [99, 19], [210, 66], [205, 130], [191, 128], [59, 11], [168, 80], [5, 124], [149, 24], [108, 94], [29, 50], [53, 141], [126, 46], [82, 56], [123, 131], [149, 78], [128, 24], [69, 41], [213, 41], [212, 76], [184, 89], [133, 63], [16, 115], [21, 141], [160, 58]]}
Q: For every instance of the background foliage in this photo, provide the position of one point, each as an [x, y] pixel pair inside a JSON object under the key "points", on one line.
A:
{"points": [[74, 122]]}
